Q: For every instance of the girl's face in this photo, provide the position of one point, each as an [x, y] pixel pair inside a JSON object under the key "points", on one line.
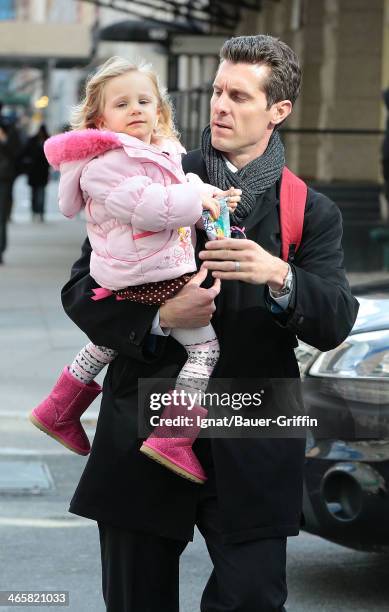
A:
{"points": [[130, 106]]}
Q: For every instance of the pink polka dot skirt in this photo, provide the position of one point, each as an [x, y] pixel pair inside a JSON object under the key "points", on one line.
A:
{"points": [[154, 293]]}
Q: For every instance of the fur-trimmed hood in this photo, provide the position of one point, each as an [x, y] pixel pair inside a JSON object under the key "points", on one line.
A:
{"points": [[78, 145], [71, 151]]}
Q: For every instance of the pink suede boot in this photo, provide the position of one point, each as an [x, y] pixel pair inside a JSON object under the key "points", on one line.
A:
{"points": [[176, 453], [59, 413]]}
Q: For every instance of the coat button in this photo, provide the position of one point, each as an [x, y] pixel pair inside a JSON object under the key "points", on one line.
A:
{"points": [[132, 336]]}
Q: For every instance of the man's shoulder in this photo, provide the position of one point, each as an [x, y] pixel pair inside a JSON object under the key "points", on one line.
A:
{"points": [[321, 206], [315, 197], [317, 203], [193, 161], [194, 154], [319, 198]]}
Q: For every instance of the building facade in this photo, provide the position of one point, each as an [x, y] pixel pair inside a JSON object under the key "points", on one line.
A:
{"points": [[335, 131], [344, 46], [44, 46]]}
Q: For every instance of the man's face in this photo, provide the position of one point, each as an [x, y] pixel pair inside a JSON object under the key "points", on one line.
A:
{"points": [[240, 121]]}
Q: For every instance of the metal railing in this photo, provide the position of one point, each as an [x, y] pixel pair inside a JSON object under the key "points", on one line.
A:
{"points": [[202, 15], [192, 115]]}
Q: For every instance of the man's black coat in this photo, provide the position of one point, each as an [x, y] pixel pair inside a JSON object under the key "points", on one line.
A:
{"points": [[258, 481]]}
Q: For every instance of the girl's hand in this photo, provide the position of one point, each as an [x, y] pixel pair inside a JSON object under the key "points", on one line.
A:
{"points": [[233, 195], [212, 205]]}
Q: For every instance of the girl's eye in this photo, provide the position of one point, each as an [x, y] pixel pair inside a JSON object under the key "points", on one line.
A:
{"points": [[122, 104], [143, 101]]}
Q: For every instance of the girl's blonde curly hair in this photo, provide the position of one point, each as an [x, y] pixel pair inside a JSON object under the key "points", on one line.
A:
{"points": [[87, 113]]}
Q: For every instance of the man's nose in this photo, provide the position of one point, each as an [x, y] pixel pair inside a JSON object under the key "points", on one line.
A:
{"points": [[220, 105]]}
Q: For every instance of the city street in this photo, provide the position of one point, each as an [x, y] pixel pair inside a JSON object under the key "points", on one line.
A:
{"points": [[43, 547]]}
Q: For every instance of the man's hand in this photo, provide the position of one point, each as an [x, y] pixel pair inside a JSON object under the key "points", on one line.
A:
{"points": [[233, 196], [244, 260], [193, 306], [211, 202]]}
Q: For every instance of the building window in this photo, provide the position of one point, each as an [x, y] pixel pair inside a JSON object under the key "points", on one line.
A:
{"points": [[7, 9]]}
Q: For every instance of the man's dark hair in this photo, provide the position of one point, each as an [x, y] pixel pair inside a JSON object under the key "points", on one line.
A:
{"points": [[284, 80]]}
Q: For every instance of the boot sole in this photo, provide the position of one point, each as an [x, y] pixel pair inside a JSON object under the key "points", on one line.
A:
{"points": [[152, 454], [47, 431]]}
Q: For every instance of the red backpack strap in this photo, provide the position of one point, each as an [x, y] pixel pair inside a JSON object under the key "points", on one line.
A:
{"points": [[293, 196]]}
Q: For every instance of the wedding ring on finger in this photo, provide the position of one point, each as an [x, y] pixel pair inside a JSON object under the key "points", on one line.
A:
{"points": [[237, 266]]}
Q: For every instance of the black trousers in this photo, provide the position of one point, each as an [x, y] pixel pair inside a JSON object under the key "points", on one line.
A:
{"points": [[140, 571], [38, 199], [5, 196]]}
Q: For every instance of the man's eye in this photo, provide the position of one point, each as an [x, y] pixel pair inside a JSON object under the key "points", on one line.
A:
{"points": [[216, 92]]}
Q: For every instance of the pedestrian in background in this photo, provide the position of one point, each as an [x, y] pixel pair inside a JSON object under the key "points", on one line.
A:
{"points": [[15, 143], [6, 180], [37, 168]]}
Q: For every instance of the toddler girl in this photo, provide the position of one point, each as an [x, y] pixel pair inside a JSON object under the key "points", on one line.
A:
{"points": [[122, 164]]}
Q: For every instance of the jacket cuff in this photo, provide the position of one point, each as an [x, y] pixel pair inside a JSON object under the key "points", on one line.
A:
{"points": [[284, 317]]}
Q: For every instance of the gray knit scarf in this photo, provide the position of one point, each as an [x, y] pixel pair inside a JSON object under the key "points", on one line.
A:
{"points": [[253, 179]]}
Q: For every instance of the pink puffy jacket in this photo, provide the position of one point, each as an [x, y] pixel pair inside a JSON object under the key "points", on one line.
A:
{"points": [[138, 204]]}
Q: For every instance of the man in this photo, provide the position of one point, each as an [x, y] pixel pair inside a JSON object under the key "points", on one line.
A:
{"points": [[252, 499], [15, 146], [6, 179]]}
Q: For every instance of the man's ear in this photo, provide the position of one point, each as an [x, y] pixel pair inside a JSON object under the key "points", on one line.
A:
{"points": [[280, 111]]}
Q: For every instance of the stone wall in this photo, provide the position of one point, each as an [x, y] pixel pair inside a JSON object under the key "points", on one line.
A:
{"points": [[341, 46]]}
